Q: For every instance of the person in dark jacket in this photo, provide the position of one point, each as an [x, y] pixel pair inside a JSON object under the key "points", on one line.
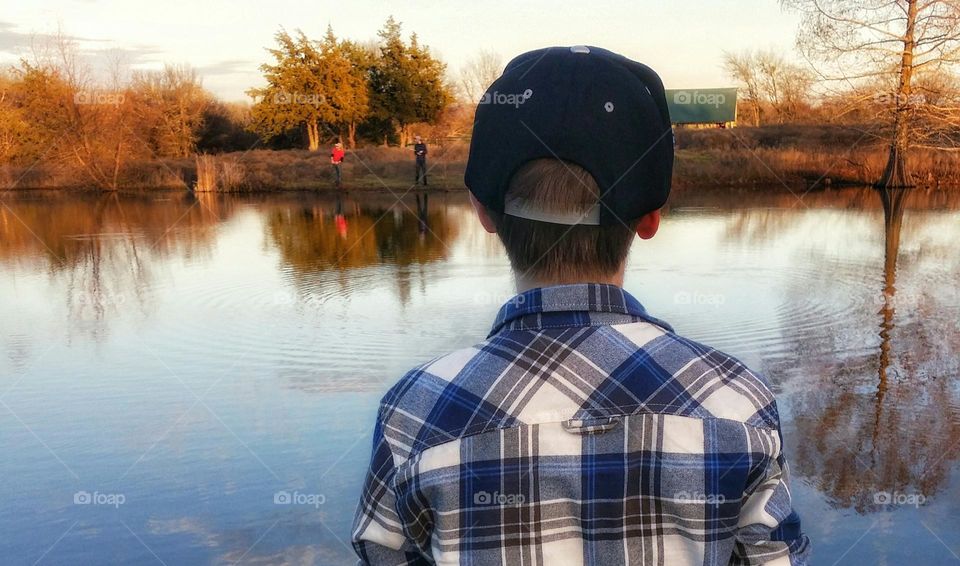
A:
{"points": [[420, 150]]}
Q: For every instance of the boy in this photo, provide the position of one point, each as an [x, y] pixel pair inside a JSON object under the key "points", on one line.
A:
{"points": [[336, 158], [583, 430]]}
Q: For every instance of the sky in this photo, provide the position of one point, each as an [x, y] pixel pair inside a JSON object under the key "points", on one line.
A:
{"points": [[683, 40]]}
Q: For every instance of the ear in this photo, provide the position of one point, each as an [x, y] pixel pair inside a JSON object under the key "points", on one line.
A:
{"points": [[485, 219], [648, 225]]}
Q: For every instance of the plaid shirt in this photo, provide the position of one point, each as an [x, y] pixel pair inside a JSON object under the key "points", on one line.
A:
{"points": [[582, 431]]}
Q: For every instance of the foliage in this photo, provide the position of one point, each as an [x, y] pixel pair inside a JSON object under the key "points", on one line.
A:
{"points": [[407, 82], [312, 84], [171, 104]]}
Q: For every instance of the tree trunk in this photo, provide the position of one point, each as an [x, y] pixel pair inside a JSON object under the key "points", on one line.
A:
{"points": [[895, 173], [352, 135], [313, 133]]}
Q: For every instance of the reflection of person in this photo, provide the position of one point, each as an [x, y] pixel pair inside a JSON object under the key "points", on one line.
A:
{"points": [[582, 430], [422, 218], [420, 151], [336, 158], [339, 220]]}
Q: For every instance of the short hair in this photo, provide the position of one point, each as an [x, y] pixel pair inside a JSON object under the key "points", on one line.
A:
{"points": [[543, 250]]}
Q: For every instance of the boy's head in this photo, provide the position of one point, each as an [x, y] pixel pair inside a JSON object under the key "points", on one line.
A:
{"points": [[571, 157], [568, 252]]}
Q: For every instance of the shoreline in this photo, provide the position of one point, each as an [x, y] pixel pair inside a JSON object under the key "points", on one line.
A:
{"points": [[399, 190], [797, 157]]}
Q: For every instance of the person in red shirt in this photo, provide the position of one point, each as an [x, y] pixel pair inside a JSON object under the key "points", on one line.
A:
{"points": [[336, 158]]}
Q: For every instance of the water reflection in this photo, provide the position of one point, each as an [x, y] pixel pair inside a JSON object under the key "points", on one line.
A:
{"points": [[864, 442], [339, 235], [291, 314], [893, 202], [61, 228], [104, 247]]}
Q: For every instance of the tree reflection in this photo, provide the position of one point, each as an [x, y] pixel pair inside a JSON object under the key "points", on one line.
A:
{"points": [[102, 247], [343, 236], [863, 440]]}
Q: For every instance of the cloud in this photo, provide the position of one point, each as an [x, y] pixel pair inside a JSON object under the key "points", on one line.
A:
{"points": [[227, 67], [13, 42]]}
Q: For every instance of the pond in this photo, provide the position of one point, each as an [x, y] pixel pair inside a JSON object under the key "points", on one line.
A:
{"points": [[193, 379]]}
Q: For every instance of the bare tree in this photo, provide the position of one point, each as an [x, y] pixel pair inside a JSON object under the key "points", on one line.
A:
{"points": [[741, 68], [769, 82], [881, 41], [477, 74]]}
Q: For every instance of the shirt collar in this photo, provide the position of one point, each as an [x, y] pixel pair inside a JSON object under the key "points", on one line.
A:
{"points": [[584, 298]]}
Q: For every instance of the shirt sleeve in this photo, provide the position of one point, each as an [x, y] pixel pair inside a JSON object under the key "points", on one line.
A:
{"points": [[378, 530], [769, 529]]}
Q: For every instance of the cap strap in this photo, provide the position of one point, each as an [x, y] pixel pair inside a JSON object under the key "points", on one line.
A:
{"points": [[521, 208]]}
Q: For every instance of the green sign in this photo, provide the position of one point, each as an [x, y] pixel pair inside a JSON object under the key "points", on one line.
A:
{"points": [[702, 105]]}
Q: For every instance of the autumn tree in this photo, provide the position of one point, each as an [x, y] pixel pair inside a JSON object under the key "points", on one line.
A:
{"points": [[33, 112], [75, 121], [363, 58], [312, 84], [407, 82], [15, 131], [345, 71], [885, 41], [170, 104], [292, 97]]}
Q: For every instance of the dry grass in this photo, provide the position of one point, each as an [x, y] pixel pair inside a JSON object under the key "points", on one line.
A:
{"points": [[803, 156]]}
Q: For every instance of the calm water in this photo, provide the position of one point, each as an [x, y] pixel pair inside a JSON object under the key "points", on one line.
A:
{"points": [[173, 371]]}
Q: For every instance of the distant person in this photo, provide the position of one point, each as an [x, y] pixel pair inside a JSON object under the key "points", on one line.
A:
{"points": [[336, 158], [582, 430], [420, 151]]}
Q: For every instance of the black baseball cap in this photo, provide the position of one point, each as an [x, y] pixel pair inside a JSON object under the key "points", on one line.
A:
{"points": [[585, 105]]}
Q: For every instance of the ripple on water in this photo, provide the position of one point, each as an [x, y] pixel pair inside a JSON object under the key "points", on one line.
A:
{"points": [[842, 290]]}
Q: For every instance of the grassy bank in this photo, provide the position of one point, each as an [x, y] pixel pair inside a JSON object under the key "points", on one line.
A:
{"points": [[261, 170], [796, 156], [800, 156]]}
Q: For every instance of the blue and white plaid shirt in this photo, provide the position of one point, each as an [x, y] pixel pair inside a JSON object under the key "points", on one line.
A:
{"points": [[582, 431]]}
